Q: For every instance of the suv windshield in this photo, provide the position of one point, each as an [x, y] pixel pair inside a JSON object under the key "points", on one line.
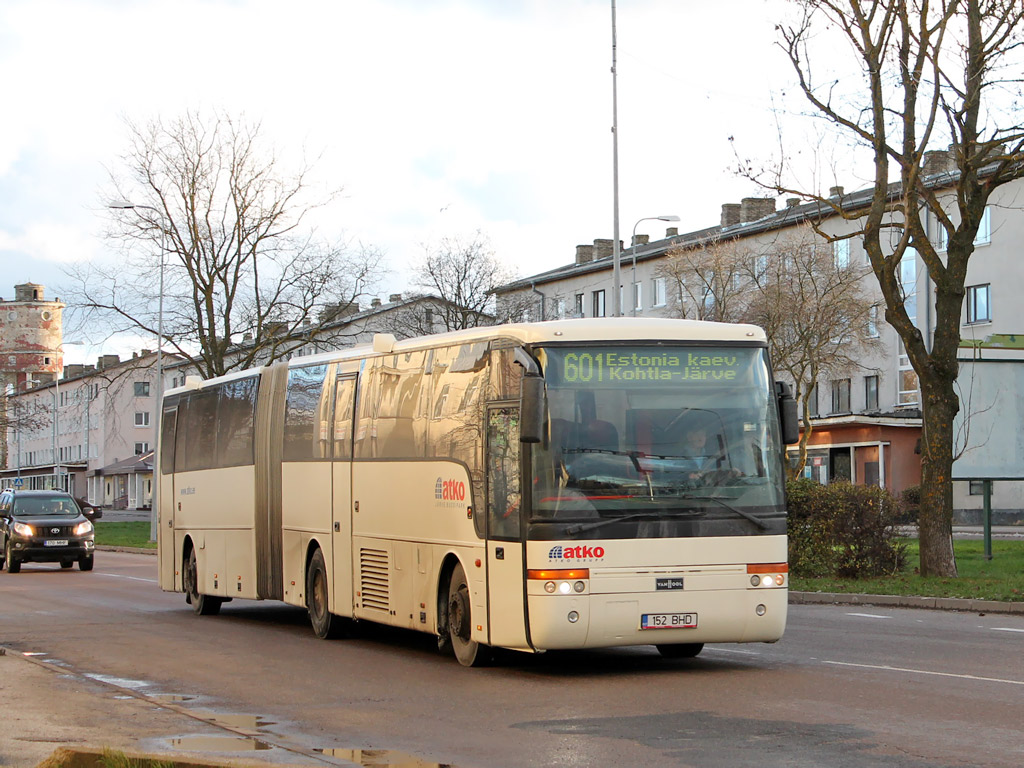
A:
{"points": [[45, 506], [652, 441]]}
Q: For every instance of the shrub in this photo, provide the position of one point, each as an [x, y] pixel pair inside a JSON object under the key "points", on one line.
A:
{"points": [[842, 530]]}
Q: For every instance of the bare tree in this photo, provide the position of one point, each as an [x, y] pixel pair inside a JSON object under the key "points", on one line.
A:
{"points": [[931, 74], [708, 282], [462, 273], [816, 312], [246, 277]]}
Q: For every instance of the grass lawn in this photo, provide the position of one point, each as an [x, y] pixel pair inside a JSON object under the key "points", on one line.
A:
{"points": [[133, 533], [1001, 578]]}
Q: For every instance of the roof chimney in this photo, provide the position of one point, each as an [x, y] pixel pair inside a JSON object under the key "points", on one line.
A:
{"points": [[602, 249], [792, 202], [584, 253], [672, 232], [730, 214], [375, 302], [641, 240], [754, 208], [835, 191], [939, 161], [395, 297]]}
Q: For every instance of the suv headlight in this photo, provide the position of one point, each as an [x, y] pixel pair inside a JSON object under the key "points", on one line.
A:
{"points": [[82, 528], [24, 529]]}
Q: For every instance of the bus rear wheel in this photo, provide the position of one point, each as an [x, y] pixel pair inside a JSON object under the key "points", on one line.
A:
{"points": [[460, 623], [680, 650], [202, 605], [326, 625]]}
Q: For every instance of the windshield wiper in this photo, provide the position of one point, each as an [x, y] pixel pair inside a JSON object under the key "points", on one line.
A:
{"points": [[572, 530], [755, 520]]}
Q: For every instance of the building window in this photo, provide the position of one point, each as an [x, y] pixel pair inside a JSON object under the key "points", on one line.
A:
{"points": [[578, 305], [841, 253], [660, 293], [976, 487], [638, 297], [599, 310], [870, 393], [142, 418], [979, 305], [141, 448], [873, 321], [142, 389], [841, 396], [984, 236], [812, 402]]}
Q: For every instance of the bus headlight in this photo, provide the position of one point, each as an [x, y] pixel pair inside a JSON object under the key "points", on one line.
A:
{"points": [[579, 586], [767, 575], [565, 588], [549, 586]]}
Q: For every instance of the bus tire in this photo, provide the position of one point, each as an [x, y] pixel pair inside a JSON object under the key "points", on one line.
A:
{"points": [[202, 605], [680, 650], [460, 623], [326, 625]]}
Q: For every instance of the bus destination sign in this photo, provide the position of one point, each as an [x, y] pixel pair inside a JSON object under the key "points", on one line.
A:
{"points": [[637, 366]]}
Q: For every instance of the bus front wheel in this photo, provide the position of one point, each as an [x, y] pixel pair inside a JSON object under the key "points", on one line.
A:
{"points": [[326, 625], [460, 623], [202, 605], [680, 650]]}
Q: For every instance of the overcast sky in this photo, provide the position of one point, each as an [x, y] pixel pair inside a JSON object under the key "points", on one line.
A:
{"points": [[437, 117]]}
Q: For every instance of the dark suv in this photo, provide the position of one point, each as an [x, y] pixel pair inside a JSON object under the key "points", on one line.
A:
{"points": [[44, 527]]}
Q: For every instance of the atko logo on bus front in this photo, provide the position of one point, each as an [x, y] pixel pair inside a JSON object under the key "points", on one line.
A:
{"points": [[450, 492], [578, 554]]}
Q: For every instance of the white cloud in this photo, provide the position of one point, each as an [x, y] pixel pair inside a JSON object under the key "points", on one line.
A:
{"points": [[437, 118]]}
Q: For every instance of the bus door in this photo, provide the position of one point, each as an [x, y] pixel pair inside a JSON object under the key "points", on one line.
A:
{"points": [[166, 540], [341, 569], [505, 551]]}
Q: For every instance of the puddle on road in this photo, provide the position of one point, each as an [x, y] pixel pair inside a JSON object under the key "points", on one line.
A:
{"points": [[242, 722], [219, 744], [382, 758], [174, 698], [120, 682]]}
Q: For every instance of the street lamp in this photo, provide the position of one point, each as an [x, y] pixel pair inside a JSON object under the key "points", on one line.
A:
{"points": [[633, 242], [125, 205]]}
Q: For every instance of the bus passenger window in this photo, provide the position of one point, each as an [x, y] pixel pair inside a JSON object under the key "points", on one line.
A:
{"points": [[504, 492]]}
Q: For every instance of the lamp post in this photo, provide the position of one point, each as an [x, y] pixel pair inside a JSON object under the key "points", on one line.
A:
{"points": [[125, 205], [616, 251], [633, 248]]}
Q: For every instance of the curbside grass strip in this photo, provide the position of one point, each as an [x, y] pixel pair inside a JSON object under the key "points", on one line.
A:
{"points": [[906, 601]]}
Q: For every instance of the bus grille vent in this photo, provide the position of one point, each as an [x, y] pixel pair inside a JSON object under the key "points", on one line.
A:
{"points": [[373, 579]]}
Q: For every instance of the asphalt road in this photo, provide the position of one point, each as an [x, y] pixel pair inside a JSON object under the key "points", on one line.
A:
{"points": [[126, 665]]}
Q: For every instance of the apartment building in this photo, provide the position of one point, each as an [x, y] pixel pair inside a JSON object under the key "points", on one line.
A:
{"points": [[867, 421]]}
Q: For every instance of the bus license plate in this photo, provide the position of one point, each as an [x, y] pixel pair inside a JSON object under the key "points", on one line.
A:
{"points": [[55, 543], [668, 620]]}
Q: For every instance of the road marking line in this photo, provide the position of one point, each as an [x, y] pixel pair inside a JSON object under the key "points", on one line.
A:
{"points": [[734, 650], [1006, 629], [129, 578], [869, 615], [925, 672]]}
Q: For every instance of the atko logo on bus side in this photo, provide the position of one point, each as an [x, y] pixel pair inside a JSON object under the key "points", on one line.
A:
{"points": [[451, 491], [576, 554]]}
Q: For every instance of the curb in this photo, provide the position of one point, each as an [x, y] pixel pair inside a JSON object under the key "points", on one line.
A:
{"points": [[905, 601]]}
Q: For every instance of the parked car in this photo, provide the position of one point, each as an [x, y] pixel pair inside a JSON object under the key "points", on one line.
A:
{"points": [[91, 511], [44, 527]]}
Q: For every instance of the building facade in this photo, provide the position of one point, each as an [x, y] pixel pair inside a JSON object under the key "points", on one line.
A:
{"points": [[866, 420]]}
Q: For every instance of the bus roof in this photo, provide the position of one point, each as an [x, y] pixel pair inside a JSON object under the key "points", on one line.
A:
{"points": [[630, 329], [620, 329]]}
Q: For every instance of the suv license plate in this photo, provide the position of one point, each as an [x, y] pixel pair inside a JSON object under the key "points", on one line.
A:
{"points": [[55, 543], [668, 620]]}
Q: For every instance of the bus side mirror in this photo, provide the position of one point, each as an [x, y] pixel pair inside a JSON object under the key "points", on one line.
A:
{"points": [[787, 413], [531, 414]]}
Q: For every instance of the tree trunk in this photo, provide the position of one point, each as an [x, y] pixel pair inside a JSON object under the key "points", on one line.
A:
{"points": [[936, 512]]}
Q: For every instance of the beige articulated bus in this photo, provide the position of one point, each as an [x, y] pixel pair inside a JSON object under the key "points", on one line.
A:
{"points": [[538, 486]]}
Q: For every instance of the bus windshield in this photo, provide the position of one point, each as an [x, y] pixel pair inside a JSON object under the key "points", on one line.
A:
{"points": [[658, 441]]}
